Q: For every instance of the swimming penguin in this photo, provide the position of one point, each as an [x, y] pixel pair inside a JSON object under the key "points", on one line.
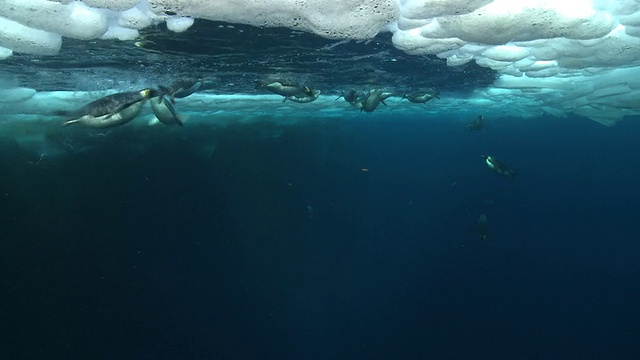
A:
{"points": [[421, 98], [373, 99], [181, 88], [355, 99], [288, 88], [304, 99], [349, 96], [483, 226], [112, 110], [498, 167], [164, 111], [477, 124], [357, 103]]}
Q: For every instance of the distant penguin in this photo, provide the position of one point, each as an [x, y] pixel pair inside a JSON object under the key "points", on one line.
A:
{"points": [[288, 88], [349, 96], [181, 88], [112, 110], [477, 124], [498, 167], [373, 99], [164, 111], [421, 98], [483, 226], [304, 99]]}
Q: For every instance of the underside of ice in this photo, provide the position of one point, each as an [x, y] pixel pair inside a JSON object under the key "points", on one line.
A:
{"points": [[582, 56]]}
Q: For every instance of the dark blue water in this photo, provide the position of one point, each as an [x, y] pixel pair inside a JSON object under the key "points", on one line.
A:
{"points": [[280, 245]]}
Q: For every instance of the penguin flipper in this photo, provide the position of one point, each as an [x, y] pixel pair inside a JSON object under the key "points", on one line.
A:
{"points": [[169, 106], [174, 95], [164, 90], [193, 88], [70, 122], [383, 103]]}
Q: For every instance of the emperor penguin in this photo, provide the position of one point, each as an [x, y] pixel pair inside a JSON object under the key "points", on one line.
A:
{"points": [[477, 124], [164, 111], [373, 99], [181, 88], [483, 226], [109, 111], [421, 98], [349, 96], [304, 99], [288, 88], [498, 167]]}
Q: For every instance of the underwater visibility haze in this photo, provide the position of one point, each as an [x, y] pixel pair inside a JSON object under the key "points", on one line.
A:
{"points": [[388, 179]]}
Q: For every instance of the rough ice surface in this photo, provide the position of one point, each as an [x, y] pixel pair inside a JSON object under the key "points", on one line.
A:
{"points": [[579, 56]]}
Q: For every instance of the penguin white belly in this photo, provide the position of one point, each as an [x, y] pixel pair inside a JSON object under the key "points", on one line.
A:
{"points": [[110, 120], [490, 164]]}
